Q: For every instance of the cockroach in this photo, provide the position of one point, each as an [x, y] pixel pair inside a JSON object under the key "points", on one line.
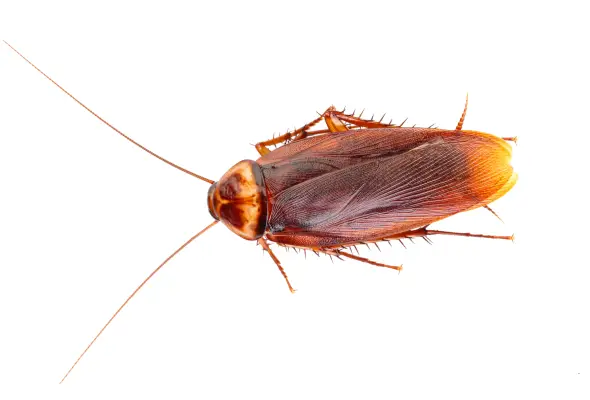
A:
{"points": [[357, 181]]}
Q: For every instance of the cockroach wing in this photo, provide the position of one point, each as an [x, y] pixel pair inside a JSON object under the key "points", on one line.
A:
{"points": [[397, 191], [305, 159]]}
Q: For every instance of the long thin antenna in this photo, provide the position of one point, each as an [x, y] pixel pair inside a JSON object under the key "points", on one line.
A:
{"points": [[133, 294], [108, 124]]}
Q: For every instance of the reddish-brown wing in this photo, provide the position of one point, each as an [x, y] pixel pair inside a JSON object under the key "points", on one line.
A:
{"points": [[302, 160], [368, 190]]}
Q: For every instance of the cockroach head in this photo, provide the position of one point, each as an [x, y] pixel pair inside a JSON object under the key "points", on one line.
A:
{"points": [[239, 200]]}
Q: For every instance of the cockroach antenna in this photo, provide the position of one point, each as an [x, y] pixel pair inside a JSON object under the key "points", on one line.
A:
{"points": [[153, 154], [133, 294], [107, 123]]}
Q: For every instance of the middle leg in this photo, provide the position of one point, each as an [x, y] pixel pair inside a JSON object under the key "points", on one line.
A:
{"points": [[341, 253], [266, 247]]}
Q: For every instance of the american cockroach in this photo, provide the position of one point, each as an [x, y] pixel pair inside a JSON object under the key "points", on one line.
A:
{"points": [[356, 181]]}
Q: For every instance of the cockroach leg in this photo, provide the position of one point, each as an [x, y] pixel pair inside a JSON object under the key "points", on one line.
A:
{"points": [[329, 116], [460, 124], [336, 252], [335, 120], [358, 121], [297, 133], [427, 232], [511, 139], [266, 247]]}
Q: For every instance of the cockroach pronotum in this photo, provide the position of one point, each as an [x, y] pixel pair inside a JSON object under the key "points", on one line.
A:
{"points": [[357, 181]]}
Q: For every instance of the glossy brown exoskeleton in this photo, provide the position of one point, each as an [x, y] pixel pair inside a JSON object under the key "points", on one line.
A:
{"points": [[360, 181], [355, 181]]}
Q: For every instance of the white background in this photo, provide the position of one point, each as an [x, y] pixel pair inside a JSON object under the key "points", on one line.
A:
{"points": [[85, 216]]}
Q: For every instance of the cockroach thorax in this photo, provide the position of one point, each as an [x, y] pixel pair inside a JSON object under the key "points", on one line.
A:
{"points": [[239, 200]]}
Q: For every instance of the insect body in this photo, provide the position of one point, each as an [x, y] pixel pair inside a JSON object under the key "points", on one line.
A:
{"points": [[354, 182], [360, 181]]}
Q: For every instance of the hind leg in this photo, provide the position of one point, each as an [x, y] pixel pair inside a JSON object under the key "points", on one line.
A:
{"points": [[336, 121]]}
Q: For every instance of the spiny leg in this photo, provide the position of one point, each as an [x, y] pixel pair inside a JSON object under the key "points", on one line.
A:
{"points": [[266, 247], [262, 146], [427, 232], [334, 125], [341, 253], [460, 124], [362, 123], [333, 121], [336, 121]]}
